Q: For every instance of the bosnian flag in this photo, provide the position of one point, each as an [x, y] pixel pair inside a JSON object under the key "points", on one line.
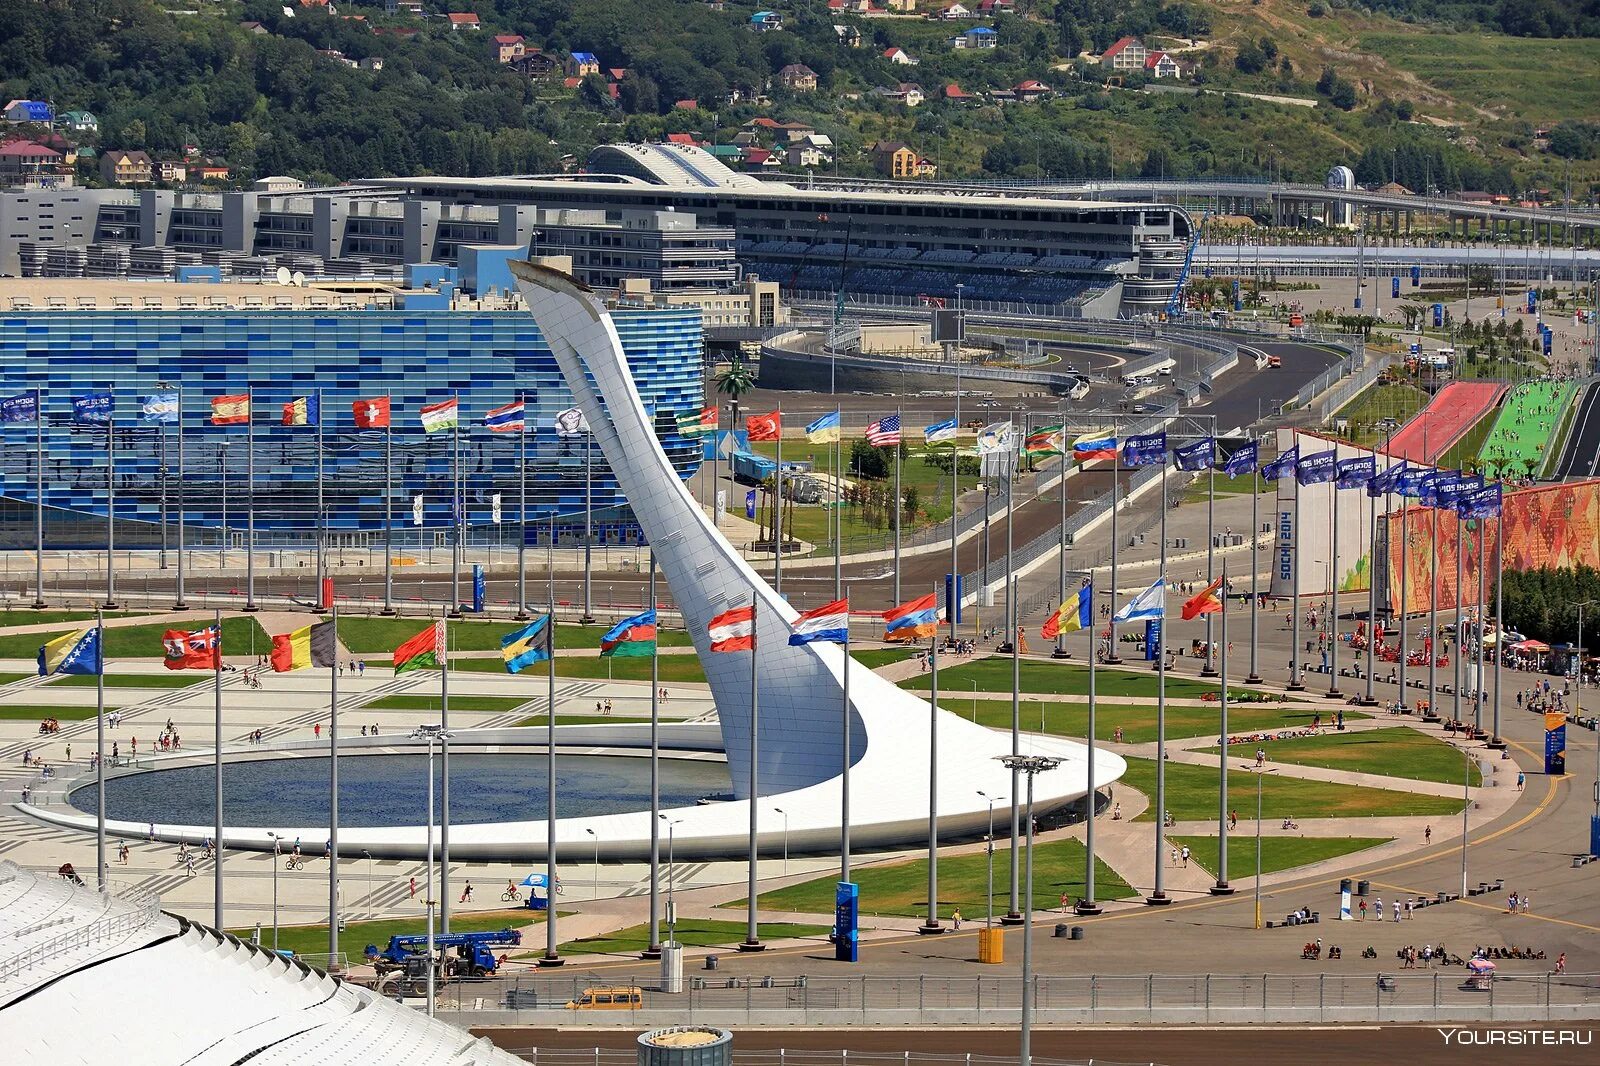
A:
{"points": [[1151, 603], [828, 623], [507, 419], [910, 621], [1095, 446], [734, 630]]}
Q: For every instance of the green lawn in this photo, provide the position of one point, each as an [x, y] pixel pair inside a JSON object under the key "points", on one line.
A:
{"points": [[28, 712], [176, 679], [586, 719], [1463, 455], [1398, 401], [901, 888], [457, 703], [1277, 853], [1192, 794], [698, 932], [1532, 78], [373, 636], [872, 658], [674, 668], [24, 617], [1394, 752], [1138, 723], [6, 679], [1065, 679], [355, 936], [240, 636]]}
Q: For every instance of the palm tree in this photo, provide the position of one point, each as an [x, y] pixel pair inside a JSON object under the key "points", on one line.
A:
{"points": [[734, 381]]}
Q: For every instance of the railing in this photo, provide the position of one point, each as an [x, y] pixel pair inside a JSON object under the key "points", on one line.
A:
{"points": [[145, 910], [598, 1056]]}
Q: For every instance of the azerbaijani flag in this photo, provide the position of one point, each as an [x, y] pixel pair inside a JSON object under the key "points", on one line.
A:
{"points": [[313, 645], [72, 653], [425, 651], [692, 424], [913, 620], [1074, 613], [734, 630], [1046, 440], [634, 636], [825, 430], [829, 623], [440, 416], [1098, 445], [1204, 602], [528, 645]]}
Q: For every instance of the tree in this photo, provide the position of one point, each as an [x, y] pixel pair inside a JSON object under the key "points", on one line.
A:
{"points": [[734, 381]]}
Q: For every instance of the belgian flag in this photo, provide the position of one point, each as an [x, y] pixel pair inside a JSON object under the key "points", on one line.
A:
{"points": [[315, 645]]}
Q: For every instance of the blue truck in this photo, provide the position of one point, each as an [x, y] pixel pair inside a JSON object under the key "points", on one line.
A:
{"points": [[463, 955]]}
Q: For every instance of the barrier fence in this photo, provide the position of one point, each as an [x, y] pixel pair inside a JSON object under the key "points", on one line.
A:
{"points": [[781, 1057]]}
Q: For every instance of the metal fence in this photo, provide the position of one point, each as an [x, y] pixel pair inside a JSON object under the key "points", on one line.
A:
{"points": [[599, 1056], [1435, 995]]}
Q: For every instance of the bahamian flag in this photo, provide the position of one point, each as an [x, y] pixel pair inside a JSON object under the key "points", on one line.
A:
{"points": [[160, 407], [73, 653], [825, 430], [528, 645], [634, 636], [23, 407], [1243, 460]]}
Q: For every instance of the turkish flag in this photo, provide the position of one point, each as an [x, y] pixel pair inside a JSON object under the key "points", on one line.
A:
{"points": [[371, 414], [764, 427]]}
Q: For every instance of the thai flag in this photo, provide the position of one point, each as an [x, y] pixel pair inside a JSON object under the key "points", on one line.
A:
{"points": [[910, 621], [734, 630], [829, 623], [507, 419], [1094, 446]]}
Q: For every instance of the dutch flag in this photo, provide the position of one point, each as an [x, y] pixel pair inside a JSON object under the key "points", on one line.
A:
{"points": [[829, 623]]}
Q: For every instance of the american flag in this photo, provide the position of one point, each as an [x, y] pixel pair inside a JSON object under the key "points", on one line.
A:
{"points": [[884, 432]]}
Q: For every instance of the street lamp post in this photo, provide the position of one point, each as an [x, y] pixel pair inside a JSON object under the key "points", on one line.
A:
{"points": [[988, 917], [1260, 773], [1031, 766], [434, 735], [785, 814], [672, 905], [277, 853], [368, 855], [594, 892], [1577, 709]]}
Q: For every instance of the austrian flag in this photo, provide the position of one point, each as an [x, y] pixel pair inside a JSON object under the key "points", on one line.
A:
{"points": [[734, 630]]}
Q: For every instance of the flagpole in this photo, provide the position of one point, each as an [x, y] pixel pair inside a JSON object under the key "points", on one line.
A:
{"points": [[388, 506], [250, 499], [838, 519], [456, 523], [1296, 668], [1013, 916], [522, 514], [588, 528], [444, 774], [1061, 568], [1460, 629], [777, 515], [1087, 906], [752, 935], [161, 473], [1112, 658], [111, 507], [931, 925], [1432, 641], [899, 503], [1333, 586], [653, 951], [1222, 888], [1370, 700], [844, 758], [1210, 668], [1254, 677], [953, 601], [38, 496], [1010, 615], [1158, 897], [216, 775], [1499, 618], [551, 956], [1477, 686], [99, 749], [333, 765], [322, 513], [178, 603]]}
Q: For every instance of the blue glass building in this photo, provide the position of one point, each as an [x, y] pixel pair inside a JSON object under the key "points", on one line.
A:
{"points": [[488, 359]]}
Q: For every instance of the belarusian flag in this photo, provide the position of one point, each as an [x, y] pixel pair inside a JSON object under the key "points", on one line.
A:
{"points": [[314, 645], [425, 651], [630, 637], [692, 424], [441, 415]]}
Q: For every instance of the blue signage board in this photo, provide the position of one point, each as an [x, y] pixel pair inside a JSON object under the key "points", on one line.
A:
{"points": [[846, 921], [1394, 287], [953, 589], [478, 587], [1555, 743], [1416, 276], [1438, 315], [1152, 639]]}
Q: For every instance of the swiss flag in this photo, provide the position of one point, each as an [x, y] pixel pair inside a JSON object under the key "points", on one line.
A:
{"points": [[371, 414], [764, 427]]}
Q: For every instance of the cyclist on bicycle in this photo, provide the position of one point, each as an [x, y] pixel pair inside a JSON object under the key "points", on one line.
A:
{"points": [[511, 891]]}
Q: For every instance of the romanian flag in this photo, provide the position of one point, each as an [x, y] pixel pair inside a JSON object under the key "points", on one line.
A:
{"points": [[734, 630], [1075, 613], [302, 411], [912, 621], [528, 645], [764, 427], [1205, 602], [73, 653], [630, 637], [425, 651], [1094, 446], [698, 424], [199, 650], [230, 410], [1046, 440], [313, 645]]}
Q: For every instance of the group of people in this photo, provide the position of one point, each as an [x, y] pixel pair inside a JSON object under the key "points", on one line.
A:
{"points": [[1401, 910], [49, 726]]}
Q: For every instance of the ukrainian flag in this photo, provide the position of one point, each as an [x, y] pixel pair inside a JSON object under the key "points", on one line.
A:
{"points": [[528, 645], [824, 430], [74, 653]]}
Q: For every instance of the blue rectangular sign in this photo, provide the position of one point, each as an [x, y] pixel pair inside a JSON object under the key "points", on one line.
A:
{"points": [[846, 921], [952, 603], [1152, 639], [478, 587]]}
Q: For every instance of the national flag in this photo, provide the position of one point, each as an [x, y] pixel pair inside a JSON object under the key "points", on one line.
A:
{"points": [[1145, 449], [1281, 467], [1046, 440], [1151, 603], [230, 410], [1482, 503], [734, 630], [1243, 460], [1196, 456], [197, 650], [508, 419], [698, 424], [303, 411], [885, 432], [371, 414], [24, 407], [1317, 468], [72, 653], [828, 624], [997, 437], [571, 423], [1075, 612], [93, 408], [160, 407], [1388, 481], [765, 427], [825, 430], [437, 417], [528, 645], [1204, 602], [939, 431], [425, 651], [913, 620], [1096, 445], [630, 637], [1355, 473], [313, 645]]}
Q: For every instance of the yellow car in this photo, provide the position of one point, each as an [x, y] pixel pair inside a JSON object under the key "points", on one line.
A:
{"points": [[627, 997]]}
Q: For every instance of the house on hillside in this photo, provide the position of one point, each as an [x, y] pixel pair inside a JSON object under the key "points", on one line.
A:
{"points": [[18, 112], [325, 5], [1126, 53], [463, 20], [978, 38], [254, 27], [536, 64], [1161, 65], [582, 64], [172, 171], [813, 150], [955, 94], [21, 158], [506, 47], [997, 7], [80, 122], [212, 170], [848, 36], [337, 56], [404, 7], [1030, 90], [900, 56], [797, 77], [951, 12], [766, 21], [907, 93], [122, 167], [904, 7], [897, 159]]}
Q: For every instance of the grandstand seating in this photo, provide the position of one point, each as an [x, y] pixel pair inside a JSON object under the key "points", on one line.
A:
{"points": [[1453, 411], [1520, 441]]}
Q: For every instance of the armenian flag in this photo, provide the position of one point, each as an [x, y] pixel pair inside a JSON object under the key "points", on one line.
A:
{"points": [[698, 423], [734, 630], [1205, 601], [528, 645], [913, 620], [634, 636], [828, 624], [425, 651], [302, 411], [313, 645], [1094, 446], [440, 416], [72, 653], [1074, 613], [230, 410]]}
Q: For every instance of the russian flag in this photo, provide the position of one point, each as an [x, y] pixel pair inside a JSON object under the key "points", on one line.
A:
{"points": [[734, 630], [829, 623], [507, 419], [912, 621], [1094, 446]]}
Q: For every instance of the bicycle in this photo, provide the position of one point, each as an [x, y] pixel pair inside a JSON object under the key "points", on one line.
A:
{"points": [[295, 862], [508, 896]]}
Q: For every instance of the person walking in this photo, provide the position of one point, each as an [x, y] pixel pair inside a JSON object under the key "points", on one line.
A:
{"points": [[955, 920], [413, 889], [466, 894], [1363, 910], [1427, 835], [1184, 852]]}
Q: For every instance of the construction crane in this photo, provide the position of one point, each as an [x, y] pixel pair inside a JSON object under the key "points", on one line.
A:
{"points": [[1175, 301]]}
